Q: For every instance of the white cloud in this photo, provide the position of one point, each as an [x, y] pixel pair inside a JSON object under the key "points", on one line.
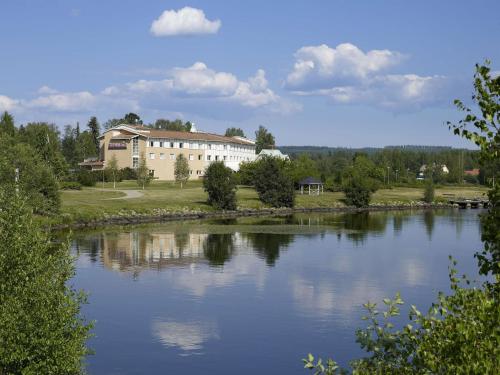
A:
{"points": [[185, 21], [185, 336], [322, 65], [47, 90], [7, 104], [347, 75], [67, 102]]}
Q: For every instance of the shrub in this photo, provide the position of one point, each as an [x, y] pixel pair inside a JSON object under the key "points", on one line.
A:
{"points": [[273, 185], [42, 330], [429, 192], [70, 185], [358, 192], [128, 173], [86, 177], [220, 184]]}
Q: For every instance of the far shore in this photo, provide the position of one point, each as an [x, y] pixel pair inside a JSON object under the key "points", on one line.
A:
{"points": [[165, 201]]}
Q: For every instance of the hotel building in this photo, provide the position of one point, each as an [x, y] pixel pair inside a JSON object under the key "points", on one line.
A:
{"points": [[160, 148]]}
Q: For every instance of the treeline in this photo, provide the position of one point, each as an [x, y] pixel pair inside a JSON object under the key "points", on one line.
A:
{"points": [[397, 165]]}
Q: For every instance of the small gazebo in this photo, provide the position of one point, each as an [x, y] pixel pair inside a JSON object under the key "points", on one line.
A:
{"points": [[316, 184]]}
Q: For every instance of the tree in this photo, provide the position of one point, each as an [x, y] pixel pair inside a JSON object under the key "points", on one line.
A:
{"points": [[263, 139], [36, 180], [94, 129], [143, 176], [234, 132], [112, 169], [358, 192], [43, 330], [176, 125], [132, 119], [429, 191], [7, 124], [181, 170], [44, 138], [274, 186], [111, 123], [220, 184]]}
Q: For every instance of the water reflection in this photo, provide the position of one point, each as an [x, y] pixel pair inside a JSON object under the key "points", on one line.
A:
{"points": [[218, 248], [268, 245], [187, 336]]}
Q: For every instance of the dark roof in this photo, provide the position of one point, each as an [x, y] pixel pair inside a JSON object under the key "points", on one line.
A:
{"points": [[198, 136], [310, 181]]}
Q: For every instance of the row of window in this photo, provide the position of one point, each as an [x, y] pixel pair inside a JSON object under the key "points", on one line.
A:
{"points": [[163, 156], [198, 146]]}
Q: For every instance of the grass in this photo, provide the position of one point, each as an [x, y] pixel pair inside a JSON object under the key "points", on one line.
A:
{"points": [[160, 196]]}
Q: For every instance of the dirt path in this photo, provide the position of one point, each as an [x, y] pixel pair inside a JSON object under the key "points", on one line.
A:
{"points": [[129, 194]]}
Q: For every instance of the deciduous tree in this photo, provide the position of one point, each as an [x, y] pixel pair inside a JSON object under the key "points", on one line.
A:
{"points": [[181, 170]]}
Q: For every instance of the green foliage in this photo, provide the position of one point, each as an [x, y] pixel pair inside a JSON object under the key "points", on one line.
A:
{"points": [[220, 184], [44, 139], [263, 139], [143, 176], [246, 173], [132, 119], [42, 329], [94, 129], [86, 177], [234, 132], [70, 185], [175, 125], [7, 126], [272, 183], [429, 191], [181, 169], [36, 179], [128, 173], [303, 167], [358, 192], [112, 169]]}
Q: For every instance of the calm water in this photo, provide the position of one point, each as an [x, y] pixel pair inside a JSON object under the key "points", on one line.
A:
{"points": [[256, 295]]}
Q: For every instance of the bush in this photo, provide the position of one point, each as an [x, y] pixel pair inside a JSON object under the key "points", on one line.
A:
{"points": [[220, 184], [358, 192], [42, 330], [86, 178], [70, 185], [273, 185], [429, 192], [128, 173]]}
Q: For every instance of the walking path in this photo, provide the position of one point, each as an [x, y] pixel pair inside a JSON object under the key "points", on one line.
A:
{"points": [[129, 194]]}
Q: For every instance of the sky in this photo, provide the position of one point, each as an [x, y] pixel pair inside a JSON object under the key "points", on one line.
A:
{"points": [[324, 73]]}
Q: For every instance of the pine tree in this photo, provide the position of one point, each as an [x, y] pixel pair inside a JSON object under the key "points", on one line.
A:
{"points": [[7, 124], [94, 128]]}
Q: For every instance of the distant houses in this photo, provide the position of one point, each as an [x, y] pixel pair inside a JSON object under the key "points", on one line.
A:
{"points": [[273, 153], [421, 174]]}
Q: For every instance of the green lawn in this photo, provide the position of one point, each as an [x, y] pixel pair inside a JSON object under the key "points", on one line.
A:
{"points": [[94, 203]]}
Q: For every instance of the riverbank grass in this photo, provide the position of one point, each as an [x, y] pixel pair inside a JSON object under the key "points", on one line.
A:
{"points": [[162, 196]]}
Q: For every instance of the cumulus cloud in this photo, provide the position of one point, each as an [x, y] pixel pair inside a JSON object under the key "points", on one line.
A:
{"points": [[7, 104], [47, 90], [67, 102], [347, 75], [187, 336], [185, 21]]}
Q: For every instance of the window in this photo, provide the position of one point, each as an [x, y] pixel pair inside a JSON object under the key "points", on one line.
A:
{"points": [[181, 145], [216, 157], [172, 156], [171, 144], [199, 157], [135, 162], [135, 146], [225, 157], [225, 147], [191, 157], [190, 171], [152, 156], [209, 146], [161, 144], [209, 157], [151, 144], [162, 156]]}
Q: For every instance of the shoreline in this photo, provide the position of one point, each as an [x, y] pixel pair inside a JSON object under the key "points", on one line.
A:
{"points": [[120, 220]]}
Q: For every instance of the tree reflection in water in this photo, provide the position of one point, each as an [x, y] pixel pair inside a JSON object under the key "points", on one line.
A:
{"points": [[269, 245], [359, 224], [218, 248]]}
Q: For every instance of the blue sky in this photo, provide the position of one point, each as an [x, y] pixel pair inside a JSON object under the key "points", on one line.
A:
{"points": [[334, 73]]}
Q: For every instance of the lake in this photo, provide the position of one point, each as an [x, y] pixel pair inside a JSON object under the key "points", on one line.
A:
{"points": [[255, 295]]}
